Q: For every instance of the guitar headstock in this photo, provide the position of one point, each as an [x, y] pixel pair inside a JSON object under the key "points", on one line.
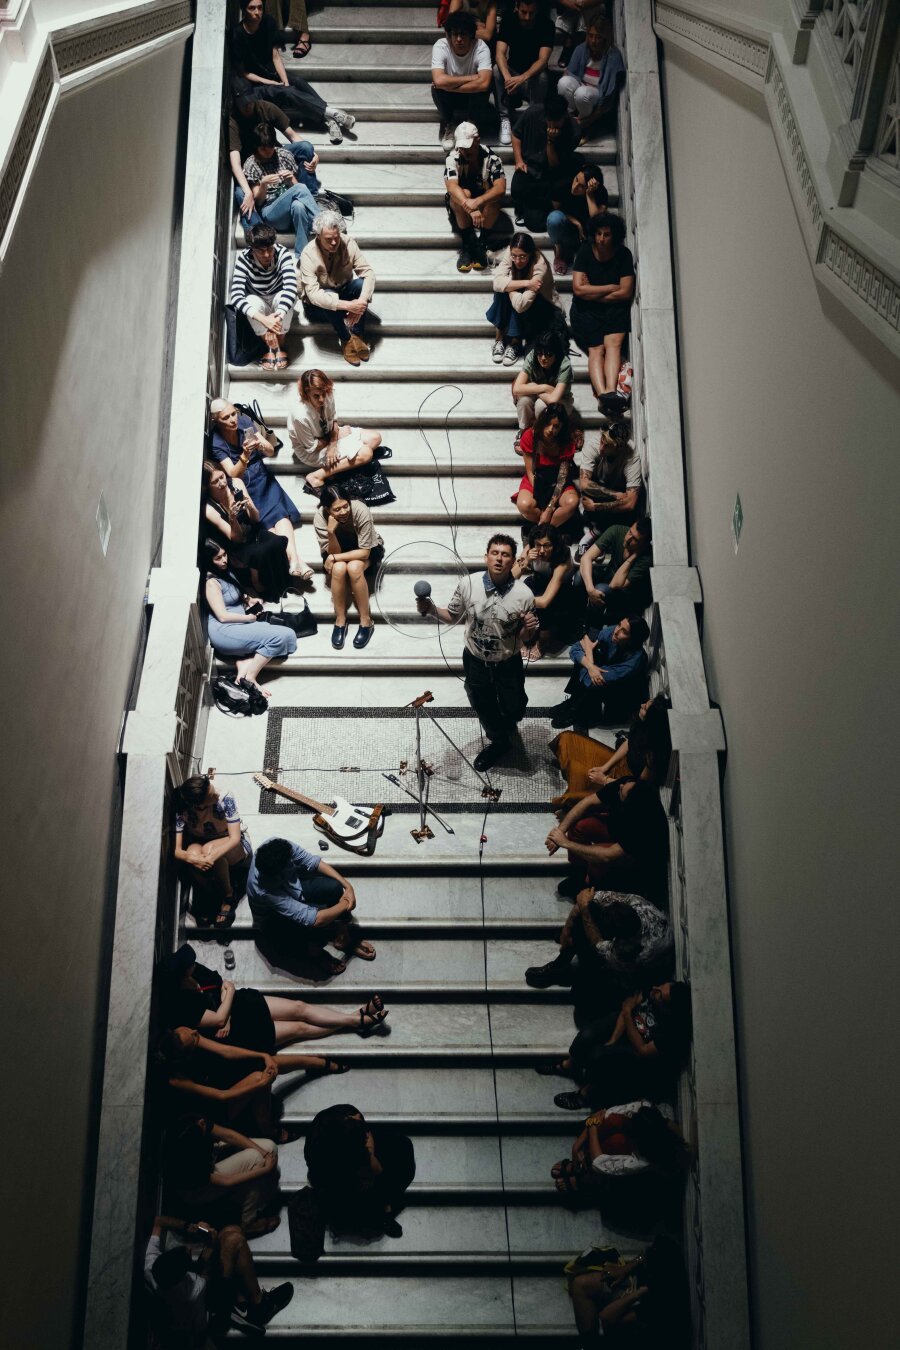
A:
{"points": [[264, 782]]}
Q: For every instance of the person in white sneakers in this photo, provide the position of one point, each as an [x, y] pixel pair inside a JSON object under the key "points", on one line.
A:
{"points": [[524, 48], [460, 76]]}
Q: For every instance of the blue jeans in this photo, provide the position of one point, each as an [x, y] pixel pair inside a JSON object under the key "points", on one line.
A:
{"points": [[336, 317], [302, 151], [294, 211], [563, 233], [518, 326]]}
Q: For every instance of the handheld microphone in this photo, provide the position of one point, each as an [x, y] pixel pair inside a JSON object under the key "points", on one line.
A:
{"points": [[422, 590]]}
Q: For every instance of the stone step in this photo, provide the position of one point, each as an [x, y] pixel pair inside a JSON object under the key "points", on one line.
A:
{"points": [[385, 653], [410, 314], [434, 269], [470, 453], [417, 143], [392, 359], [419, 1308], [420, 500], [387, 23], [412, 226], [477, 403]]}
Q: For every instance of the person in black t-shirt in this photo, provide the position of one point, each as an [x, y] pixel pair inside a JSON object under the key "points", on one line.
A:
{"points": [[256, 57], [603, 291], [577, 206], [523, 52], [543, 141]]}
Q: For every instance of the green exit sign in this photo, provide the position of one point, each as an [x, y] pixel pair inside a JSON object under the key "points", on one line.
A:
{"points": [[737, 521]]}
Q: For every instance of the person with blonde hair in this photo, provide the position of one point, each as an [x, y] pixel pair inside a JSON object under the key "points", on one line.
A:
{"points": [[320, 443], [336, 284]]}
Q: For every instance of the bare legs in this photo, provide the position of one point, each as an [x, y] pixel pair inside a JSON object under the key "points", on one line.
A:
{"points": [[298, 567], [604, 363], [564, 511], [350, 575], [369, 443], [249, 667], [298, 1021]]}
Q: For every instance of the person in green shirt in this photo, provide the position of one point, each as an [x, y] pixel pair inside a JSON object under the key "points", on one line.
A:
{"points": [[614, 572], [545, 378]]}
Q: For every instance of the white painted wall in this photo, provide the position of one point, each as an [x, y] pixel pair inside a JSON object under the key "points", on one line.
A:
{"points": [[796, 406], [83, 296]]}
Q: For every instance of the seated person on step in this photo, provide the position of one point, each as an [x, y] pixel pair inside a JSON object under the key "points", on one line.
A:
{"points": [[593, 78], [524, 48], [247, 113], [644, 753], [191, 1269], [476, 184], [352, 552], [257, 556], [460, 77], [209, 841], [603, 293], [547, 494], [545, 565], [264, 290], [358, 1172], [524, 299], [336, 284], [256, 60], [319, 442], [485, 12], [614, 573], [609, 676], [283, 202], [297, 897], [544, 139], [622, 1143], [611, 481], [235, 626], [576, 206], [544, 381], [645, 1302], [221, 1173]]}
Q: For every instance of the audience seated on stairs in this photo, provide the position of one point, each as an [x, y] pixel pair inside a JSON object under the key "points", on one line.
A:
{"points": [[256, 60], [498, 613], [241, 449], [209, 841], [611, 481], [476, 185], [321, 444], [220, 1173], [192, 995], [603, 292], [544, 381], [203, 1280], [524, 48], [247, 114], [609, 676], [258, 557], [352, 552], [282, 201], [642, 1304], [638, 1051], [547, 494], [643, 752], [594, 75], [577, 205], [237, 625], [544, 140], [460, 77], [301, 901], [525, 302], [337, 284], [485, 12], [614, 573], [264, 290], [621, 1143], [545, 565], [230, 1083], [616, 838], [358, 1172]]}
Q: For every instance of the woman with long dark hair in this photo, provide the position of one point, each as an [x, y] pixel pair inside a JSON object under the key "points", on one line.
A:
{"points": [[234, 629], [524, 299], [257, 556], [352, 550], [603, 292], [547, 494], [545, 565]]}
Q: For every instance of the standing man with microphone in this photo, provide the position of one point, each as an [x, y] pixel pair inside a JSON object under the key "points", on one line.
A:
{"points": [[498, 610]]}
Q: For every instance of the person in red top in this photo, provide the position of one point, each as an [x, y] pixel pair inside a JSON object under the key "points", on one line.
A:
{"points": [[547, 494]]}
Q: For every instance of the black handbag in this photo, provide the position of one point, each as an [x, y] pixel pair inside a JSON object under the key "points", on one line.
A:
{"points": [[252, 411]]}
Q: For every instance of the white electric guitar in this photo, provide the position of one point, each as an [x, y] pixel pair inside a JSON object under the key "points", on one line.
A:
{"points": [[353, 827]]}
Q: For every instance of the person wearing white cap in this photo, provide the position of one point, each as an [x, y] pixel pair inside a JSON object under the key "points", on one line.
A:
{"points": [[476, 183]]}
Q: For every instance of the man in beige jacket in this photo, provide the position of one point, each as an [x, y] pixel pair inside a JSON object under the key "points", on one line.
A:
{"points": [[336, 284]]}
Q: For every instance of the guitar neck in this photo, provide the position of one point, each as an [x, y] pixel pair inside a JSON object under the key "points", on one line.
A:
{"points": [[292, 795]]}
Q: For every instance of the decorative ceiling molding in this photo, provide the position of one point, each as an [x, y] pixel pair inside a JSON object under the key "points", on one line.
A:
{"points": [[862, 279], [16, 168], [78, 47]]}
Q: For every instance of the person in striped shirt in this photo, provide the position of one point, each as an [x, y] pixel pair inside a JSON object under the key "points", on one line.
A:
{"points": [[264, 290]]}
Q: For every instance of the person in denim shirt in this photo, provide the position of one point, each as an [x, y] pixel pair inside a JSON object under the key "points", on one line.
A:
{"points": [[610, 669]]}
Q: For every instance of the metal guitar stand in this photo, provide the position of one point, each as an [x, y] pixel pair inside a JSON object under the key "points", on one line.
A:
{"points": [[424, 771]]}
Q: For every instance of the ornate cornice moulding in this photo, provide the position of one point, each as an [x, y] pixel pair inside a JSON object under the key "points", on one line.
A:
{"points": [[864, 279], [79, 46]]}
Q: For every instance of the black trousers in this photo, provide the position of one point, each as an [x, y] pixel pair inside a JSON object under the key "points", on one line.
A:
{"points": [[297, 99], [599, 703], [496, 693], [456, 108]]}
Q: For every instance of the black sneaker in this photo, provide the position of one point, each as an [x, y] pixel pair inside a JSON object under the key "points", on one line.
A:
{"points": [[612, 405], [563, 715], [253, 1319], [479, 258], [464, 260], [555, 972]]}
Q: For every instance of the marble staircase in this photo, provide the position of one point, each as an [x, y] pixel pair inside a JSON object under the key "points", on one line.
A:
{"points": [[456, 919]]}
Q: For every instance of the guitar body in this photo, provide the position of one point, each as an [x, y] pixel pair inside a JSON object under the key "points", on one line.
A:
{"points": [[356, 828]]}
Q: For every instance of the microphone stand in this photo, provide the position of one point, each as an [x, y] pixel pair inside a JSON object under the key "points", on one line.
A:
{"points": [[423, 770]]}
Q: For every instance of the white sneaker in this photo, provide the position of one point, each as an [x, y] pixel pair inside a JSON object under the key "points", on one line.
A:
{"points": [[344, 119], [447, 139], [505, 131], [497, 351], [335, 135]]}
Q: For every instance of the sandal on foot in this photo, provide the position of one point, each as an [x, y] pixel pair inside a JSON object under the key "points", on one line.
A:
{"points": [[330, 1067], [568, 1181], [280, 361], [302, 47], [364, 955], [268, 362], [375, 1011], [555, 1070], [570, 1101], [288, 1133], [330, 964], [226, 913]]}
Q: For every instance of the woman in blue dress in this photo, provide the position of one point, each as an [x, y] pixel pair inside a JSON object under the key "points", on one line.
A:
{"points": [[233, 630], [239, 447]]}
